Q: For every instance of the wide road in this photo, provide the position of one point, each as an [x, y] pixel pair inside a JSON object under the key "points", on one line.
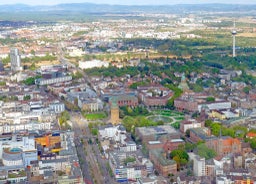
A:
{"points": [[81, 153], [93, 166], [101, 161]]}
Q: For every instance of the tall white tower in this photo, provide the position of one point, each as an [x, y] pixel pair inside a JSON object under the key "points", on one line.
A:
{"points": [[234, 40], [15, 60]]}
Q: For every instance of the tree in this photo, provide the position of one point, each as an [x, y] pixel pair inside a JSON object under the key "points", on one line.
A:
{"points": [[2, 83], [32, 66], [246, 89], [94, 131], [31, 80], [190, 147], [27, 97], [215, 128], [253, 143], [90, 141], [77, 75], [6, 60], [208, 122], [64, 117], [205, 152], [187, 133], [210, 99], [129, 159], [195, 114], [180, 157], [177, 159], [177, 93], [32, 52]]}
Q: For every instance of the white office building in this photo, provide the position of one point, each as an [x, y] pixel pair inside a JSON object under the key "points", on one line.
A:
{"points": [[92, 64], [199, 166], [63, 79]]}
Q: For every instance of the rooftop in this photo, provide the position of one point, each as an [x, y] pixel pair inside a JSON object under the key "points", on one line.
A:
{"points": [[202, 133], [158, 153], [163, 129]]}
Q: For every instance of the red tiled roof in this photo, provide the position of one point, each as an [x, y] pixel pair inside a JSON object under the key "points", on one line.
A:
{"points": [[251, 134]]}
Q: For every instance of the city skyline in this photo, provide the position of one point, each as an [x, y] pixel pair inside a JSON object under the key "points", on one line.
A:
{"points": [[128, 2]]}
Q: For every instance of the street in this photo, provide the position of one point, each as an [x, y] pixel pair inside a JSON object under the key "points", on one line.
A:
{"points": [[93, 166]]}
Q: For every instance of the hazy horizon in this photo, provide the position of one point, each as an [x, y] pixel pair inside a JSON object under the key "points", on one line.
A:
{"points": [[127, 2]]}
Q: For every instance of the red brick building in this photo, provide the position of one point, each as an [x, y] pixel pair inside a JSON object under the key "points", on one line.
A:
{"points": [[172, 144], [154, 145], [154, 95], [184, 104], [225, 145], [162, 165], [125, 100]]}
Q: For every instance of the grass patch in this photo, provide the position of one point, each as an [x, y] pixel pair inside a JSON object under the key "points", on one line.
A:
{"points": [[168, 113], [129, 159], [95, 116], [160, 118], [17, 174], [179, 118]]}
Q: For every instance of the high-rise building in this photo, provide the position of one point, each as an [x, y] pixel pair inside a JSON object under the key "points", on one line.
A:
{"points": [[199, 166], [15, 60]]}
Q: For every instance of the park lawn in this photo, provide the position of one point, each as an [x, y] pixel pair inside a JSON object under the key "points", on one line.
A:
{"points": [[95, 116], [176, 114], [165, 114], [179, 118]]}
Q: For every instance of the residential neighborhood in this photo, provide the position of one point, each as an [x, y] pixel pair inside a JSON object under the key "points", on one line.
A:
{"points": [[134, 98]]}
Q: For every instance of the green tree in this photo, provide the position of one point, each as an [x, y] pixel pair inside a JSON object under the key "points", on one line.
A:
{"points": [[210, 99], [190, 147], [129, 159], [64, 117], [215, 128], [94, 131], [205, 152], [187, 133], [246, 89], [32, 52], [180, 157], [2, 83], [253, 143], [77, 75], [31, 80], [27, 97], [32, 66], [177, 93], [6, 60], [208, 122]]}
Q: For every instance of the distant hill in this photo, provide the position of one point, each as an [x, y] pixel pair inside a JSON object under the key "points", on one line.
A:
{"points": [[104, 8], [16, 7], [92, 12]]}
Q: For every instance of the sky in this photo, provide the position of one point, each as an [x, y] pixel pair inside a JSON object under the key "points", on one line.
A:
{"points": [[126, 2]]}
